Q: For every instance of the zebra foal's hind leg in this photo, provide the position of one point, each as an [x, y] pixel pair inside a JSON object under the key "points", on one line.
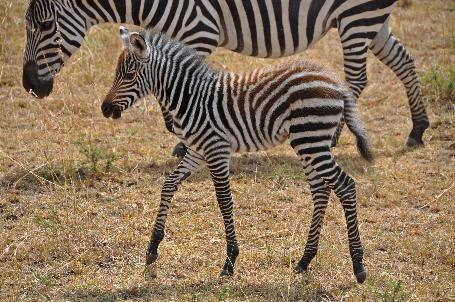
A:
{"points": [[325, 173], [189, 164], [392, 53], [344, 187], [320, 193]]}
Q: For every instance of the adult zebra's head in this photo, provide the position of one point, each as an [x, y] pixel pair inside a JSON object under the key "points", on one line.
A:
{"points": [[55, 30], [131, 76]]}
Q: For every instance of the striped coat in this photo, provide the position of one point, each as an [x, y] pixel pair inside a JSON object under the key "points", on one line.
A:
{"points": [[217, 113]]}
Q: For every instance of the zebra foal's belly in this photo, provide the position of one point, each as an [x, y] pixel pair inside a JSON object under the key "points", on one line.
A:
{"points": [[252, 141]]}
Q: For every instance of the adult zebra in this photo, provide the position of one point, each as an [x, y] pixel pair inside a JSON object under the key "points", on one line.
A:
{"points": [[267, 28]]}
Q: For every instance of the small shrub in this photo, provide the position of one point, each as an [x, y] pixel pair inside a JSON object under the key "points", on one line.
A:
{"points": [[225, 293], [393, 291], [96, 156], [439, 86], [50, 221]]}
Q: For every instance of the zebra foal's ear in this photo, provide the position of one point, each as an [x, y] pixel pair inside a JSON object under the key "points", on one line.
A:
{"points": [[139, 46], [125, 36]]}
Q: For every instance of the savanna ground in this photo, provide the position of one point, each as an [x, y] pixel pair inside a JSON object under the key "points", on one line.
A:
{"points": [[79, 193]]}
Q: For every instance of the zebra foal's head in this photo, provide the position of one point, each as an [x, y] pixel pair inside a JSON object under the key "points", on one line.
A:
{"points": [[55, 30], [131, 81]]}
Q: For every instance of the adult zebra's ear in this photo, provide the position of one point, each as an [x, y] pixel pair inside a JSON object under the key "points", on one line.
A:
{"points": [[139, 46]]}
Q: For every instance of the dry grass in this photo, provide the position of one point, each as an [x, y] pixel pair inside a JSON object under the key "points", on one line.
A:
{"points": [[79, 193]]}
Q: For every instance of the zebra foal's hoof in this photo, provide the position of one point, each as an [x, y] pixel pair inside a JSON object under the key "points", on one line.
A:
{"points": [[302, 265], [179, 150], [361, 277], [150, 271], [150, 266], [226, 273], [359, 272], [298, 269]]}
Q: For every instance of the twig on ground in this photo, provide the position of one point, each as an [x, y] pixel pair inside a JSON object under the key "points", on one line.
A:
{"points": [[437, 197], [31, 171], [6, 250]]}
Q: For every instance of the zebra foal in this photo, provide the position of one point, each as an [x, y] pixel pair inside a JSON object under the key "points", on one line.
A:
{"points": [[216, 113]]}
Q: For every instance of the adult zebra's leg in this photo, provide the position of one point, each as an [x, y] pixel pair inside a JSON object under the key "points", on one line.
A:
{"points": [[355, 69], [189, 164], [344, 187], [337, 134], [320, 193], [392, 53], [218, 163]]}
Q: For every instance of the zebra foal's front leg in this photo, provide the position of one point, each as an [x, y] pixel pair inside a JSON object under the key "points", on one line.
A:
{"points": [[189, 164], [218, 163], [180, 149]]}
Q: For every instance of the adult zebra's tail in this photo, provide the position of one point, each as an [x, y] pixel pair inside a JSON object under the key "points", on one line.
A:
{"points": [[355, 125]]}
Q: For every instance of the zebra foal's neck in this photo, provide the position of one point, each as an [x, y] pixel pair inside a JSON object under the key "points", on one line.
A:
{"points": [[179, 75]]}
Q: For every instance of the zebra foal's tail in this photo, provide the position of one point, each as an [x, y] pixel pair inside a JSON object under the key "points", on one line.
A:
{"points": [[355, 125]]}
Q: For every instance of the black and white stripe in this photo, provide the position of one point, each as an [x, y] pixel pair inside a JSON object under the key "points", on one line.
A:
{"points": [[218, 113], [260, 28]]}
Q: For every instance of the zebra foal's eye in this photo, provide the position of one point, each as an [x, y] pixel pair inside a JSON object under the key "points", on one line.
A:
{"points": [[46, 25], [129, 76]]}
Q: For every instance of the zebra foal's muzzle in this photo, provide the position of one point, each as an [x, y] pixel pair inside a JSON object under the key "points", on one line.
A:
{"points": [[33, 84], [110, 110]]}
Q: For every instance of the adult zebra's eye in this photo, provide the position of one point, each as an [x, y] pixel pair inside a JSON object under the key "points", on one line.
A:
{"points": [[46, 25]]}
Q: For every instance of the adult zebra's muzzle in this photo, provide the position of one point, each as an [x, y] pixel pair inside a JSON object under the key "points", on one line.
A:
{"points": [[32, 82], [110, 110]]}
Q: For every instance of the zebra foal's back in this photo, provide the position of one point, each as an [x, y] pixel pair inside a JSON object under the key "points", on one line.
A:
{"points": [[258, 109]]}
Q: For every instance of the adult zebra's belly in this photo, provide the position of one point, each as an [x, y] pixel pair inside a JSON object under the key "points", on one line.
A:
{"points": [[273, 29]]}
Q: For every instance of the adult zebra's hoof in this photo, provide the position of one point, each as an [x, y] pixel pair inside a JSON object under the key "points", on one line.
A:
{"points": [[415, 137], [360, 272], [179, 150], [414, 143]]}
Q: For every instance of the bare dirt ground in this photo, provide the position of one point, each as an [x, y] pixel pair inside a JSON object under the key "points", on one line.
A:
{"points": [[79, 193]]}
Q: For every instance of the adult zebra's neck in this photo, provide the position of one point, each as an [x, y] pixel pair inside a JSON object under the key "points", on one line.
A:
{"points": [[183, 20], [109, 11]]}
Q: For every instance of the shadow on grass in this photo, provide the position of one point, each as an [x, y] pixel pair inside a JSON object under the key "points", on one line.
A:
{"points": [[264, 165], [218, 289]]}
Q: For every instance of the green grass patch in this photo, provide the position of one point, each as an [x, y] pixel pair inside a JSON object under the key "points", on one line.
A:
{"points": [[439, 85]]}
